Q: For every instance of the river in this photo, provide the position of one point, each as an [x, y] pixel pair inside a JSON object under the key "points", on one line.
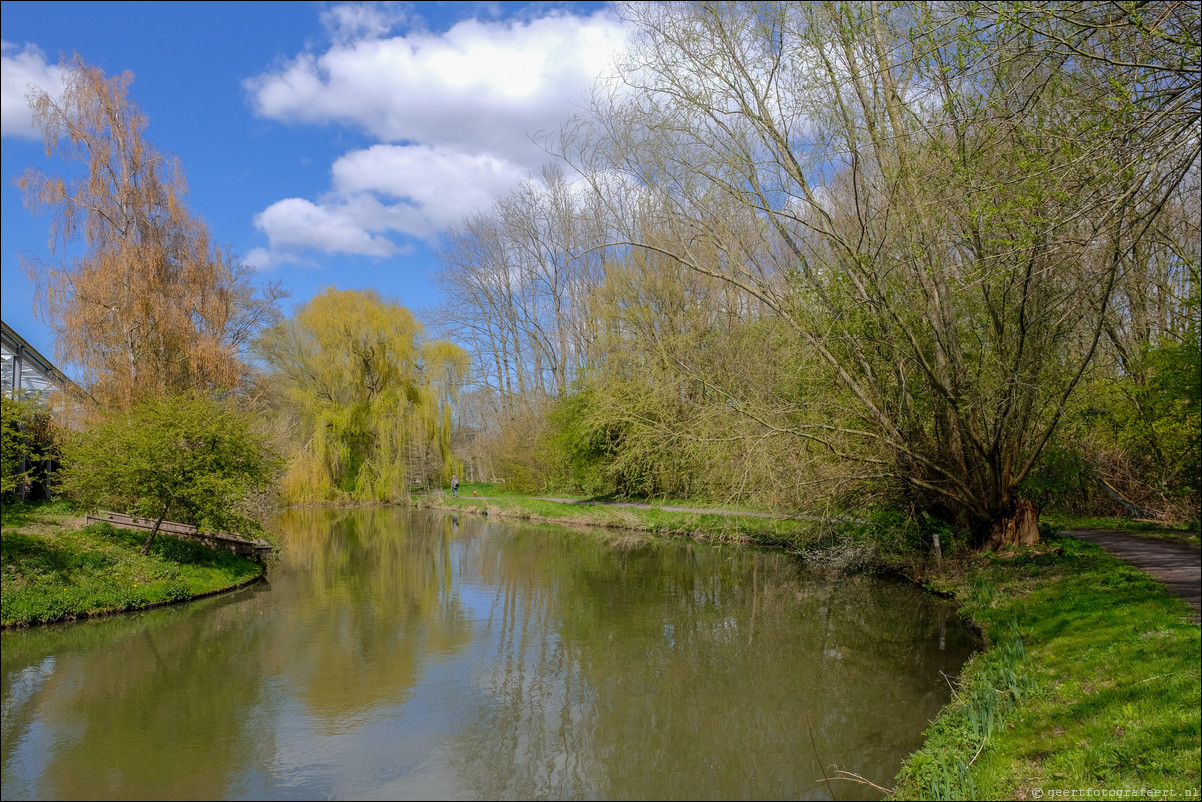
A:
{"points": [[402, 654]]}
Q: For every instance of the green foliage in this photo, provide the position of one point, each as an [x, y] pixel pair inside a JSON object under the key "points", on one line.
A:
{"points": [[684, 399], [371, 403], [1063, 479], [586, 447], [1139, 428], [1175, 420], [49, 571], [195, 460], [18, 444], [1154, 416], [926, 301]]}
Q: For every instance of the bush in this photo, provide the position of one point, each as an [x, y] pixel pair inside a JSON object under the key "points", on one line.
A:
{"points": [[22, 440], [195, 460]]}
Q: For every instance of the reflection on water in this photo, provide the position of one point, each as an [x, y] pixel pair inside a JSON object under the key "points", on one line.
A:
{"points": [[401, 654]]}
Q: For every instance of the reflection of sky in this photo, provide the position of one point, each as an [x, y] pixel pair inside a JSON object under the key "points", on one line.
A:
{"points": [[395, 751], [398, 751], [20, 689], [476, 601], [27, 760], [25, 763]]}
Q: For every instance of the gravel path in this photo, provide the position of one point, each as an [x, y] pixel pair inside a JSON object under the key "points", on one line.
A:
{"points": [[1175, 564]]}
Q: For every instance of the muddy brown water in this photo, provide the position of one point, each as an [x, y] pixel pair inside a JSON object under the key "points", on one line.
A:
{"points": [[415, 655]]}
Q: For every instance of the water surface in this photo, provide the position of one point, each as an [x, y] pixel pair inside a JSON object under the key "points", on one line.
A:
{"points": [[414, 655]]}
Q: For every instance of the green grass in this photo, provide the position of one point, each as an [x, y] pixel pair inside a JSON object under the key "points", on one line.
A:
{"points": [[1092, 682], [489, 489], [493, 490], [52, 568]]}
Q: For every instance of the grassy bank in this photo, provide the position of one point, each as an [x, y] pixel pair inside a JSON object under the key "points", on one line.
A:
{"points": [[1091, 682], [53, 568], [752, 527]]}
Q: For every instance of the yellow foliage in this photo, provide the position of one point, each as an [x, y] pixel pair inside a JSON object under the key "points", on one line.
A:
{"points": [[368, 390], [153, 305]]}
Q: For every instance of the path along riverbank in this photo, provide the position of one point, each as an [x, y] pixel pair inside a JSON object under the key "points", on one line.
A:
{"points": [[1178, 566]]}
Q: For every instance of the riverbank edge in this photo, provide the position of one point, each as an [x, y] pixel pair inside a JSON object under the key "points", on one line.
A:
{"points": [[68, 618], [716, 526], [81, 616], [980, 745]]}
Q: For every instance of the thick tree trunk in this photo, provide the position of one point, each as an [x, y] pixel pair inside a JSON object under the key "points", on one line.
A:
{"points": [[1020, 529]]}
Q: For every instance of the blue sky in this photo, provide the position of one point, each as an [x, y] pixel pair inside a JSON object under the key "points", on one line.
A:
{"points": [[327, 143]]}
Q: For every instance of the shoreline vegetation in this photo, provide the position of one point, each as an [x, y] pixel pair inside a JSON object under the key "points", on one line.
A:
{"points": [[55, 568], [1089, 678]]}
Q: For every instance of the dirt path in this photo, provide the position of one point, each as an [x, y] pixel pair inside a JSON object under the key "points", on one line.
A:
{"points": [[1176, 565]]}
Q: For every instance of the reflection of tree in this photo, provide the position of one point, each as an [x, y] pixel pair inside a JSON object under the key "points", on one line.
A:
{"points": [[184, 701], [694, 669], [375, 596], [139, 703]]}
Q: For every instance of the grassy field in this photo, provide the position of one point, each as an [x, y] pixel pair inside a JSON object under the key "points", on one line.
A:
{"points": [[53, 568], [750, 526]]}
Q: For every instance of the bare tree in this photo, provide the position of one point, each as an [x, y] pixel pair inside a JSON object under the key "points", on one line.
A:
{"points": [[517, 279]]}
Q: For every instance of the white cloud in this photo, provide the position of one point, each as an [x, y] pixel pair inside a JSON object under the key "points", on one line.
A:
{"points": [[297, 223], [444, 184], [480, 85], [349, 21], [414, 190], [453, 112], [20, 68], [260, 259]]}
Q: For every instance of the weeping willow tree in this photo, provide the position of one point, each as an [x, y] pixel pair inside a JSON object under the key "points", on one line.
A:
{"points": [[370, 403]]}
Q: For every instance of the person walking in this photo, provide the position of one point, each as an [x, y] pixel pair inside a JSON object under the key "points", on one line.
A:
{"points": [[454, 486]]}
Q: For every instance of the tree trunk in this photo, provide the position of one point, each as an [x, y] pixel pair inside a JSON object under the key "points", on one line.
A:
{"points": [[1020, 529], [153, 532]]}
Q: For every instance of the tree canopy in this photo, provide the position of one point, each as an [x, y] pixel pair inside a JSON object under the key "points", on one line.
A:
{"points": [[963, 214], [368, 400], [187, 458], [153, 304]]}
